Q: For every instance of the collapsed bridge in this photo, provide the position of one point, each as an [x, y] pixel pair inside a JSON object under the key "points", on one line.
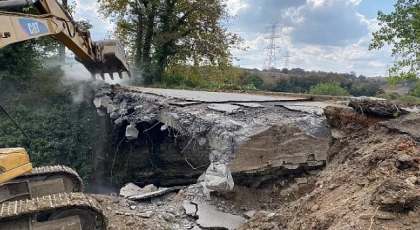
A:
{"points": [[172, 137]]}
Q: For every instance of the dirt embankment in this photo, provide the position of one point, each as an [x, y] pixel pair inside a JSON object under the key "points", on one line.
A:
{"points": [[371, 180]]}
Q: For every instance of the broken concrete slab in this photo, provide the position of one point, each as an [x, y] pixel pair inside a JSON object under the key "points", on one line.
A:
{"points": [[209, 217], [190, 208], [255, 141], [250, 105], [210, 97], [159, 192], [407, 124], [224, 108]]}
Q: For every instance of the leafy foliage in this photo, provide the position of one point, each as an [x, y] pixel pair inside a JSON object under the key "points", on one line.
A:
{"points": [[400, 29], [255, 80], [329, 88], [166, 34], [301, 84], [61, 134]]}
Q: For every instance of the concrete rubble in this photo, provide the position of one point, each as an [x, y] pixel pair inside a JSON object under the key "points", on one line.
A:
{"points": [[210, 218], [133, 192], [241, 134]]}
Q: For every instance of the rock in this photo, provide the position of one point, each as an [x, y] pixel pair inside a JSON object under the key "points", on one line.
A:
{"points": [[129, 222], [271, 215], [218, 177], [250, 214], [411, 181], [130, 189], [333, 186], [405, 161], [168, 217], [303, 180], [147, 214], [395, 196], [108, 208], [315, 208], [196, 228], [149, 188], [190, 208], [202, 141], [131, 132], [101, 102], [133, 207], [209, 217]]}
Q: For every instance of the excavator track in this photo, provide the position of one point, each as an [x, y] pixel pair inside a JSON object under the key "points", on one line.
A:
{"points": [[56, 171], [57, 211], [41, 181]]}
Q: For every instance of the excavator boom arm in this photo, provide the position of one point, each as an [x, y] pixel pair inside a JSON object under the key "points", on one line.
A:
{"points": [[98, 57]]}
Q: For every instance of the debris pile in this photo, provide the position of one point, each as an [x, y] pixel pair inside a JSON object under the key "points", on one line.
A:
{"points": [[371, 180], [231, 137]]}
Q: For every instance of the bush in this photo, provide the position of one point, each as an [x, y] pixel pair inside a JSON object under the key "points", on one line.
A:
{"points": [[255, 80], [389, 96], [409, 100], [329, 88]]}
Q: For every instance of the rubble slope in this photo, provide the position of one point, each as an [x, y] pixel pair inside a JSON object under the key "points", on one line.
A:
{"points": [[370, 181]]}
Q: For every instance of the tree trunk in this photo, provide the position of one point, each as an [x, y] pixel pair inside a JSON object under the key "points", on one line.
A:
{"points": [[150, 26]]}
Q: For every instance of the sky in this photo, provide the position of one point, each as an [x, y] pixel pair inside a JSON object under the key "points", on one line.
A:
{"points": [[326, 35]]}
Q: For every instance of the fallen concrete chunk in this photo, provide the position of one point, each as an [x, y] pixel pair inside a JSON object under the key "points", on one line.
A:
{"points": [[131, 132], [130, 189], [209, 217], [190, 208], [102, 102], [110, 108], [218, 177], [250, 214], [147, 214], [224, 108], [160, 192]]}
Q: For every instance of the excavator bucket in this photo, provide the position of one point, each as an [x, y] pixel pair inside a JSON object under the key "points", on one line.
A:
{"points": [[111, 59]]}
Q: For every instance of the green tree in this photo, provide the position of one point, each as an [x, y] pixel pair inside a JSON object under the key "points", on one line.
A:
{"points": [[162, 34], [401, 30], [255, 80], [329, 88]]}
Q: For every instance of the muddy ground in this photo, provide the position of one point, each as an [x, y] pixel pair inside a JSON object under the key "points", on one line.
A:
{"points": [[371, 182]]}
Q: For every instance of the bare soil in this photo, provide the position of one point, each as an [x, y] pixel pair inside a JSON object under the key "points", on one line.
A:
{"points": [[370, 182]]}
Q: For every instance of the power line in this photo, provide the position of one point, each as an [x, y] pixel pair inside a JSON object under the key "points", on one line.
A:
{"points": [[271, 49]]}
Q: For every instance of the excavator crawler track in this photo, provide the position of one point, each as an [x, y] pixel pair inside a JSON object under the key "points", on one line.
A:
{"points": [[57, 170], [74, 210], [41, 182]]}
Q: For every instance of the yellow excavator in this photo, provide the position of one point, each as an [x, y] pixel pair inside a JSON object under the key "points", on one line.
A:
{"points": [[49, 198]]}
